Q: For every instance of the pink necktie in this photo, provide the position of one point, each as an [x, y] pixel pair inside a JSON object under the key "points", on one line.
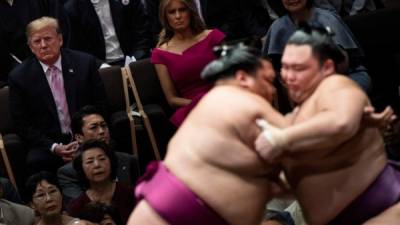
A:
{"points": [[57, 89]]}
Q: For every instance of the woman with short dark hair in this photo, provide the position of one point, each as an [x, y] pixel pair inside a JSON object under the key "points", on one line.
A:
{"points": [[45, 198]]}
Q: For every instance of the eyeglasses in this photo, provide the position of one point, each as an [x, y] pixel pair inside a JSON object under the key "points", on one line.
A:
{"points": [[42, 196]]}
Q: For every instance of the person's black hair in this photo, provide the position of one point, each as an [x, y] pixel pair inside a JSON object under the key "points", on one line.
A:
{"points": [[78, 161], [96, 211], [77, 118], [230, 59], [33, 181], [320, 40]]}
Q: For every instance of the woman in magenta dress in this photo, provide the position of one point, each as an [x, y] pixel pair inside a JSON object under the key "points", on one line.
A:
{"points": [[184, 49]]}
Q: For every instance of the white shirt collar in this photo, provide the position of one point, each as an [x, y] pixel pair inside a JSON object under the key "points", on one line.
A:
{"points": [[57, 64]]}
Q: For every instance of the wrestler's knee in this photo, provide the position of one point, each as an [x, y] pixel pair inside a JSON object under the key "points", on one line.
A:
{"points": [[145, 214]]}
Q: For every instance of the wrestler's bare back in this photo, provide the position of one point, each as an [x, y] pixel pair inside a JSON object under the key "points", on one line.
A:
{"points": [[325, 179], [213, 154]]}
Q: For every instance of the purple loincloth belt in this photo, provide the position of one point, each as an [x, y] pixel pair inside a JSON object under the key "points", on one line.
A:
{"points": [[173, 200], [380, 195]]}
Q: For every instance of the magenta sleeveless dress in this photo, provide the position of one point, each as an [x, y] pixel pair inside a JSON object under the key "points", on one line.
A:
{"points": [[185, 70]]}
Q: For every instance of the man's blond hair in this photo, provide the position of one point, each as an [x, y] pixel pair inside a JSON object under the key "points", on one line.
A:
{"points": [[40, 23]]}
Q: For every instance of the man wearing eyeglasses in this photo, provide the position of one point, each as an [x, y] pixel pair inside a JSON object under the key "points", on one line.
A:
{"points": [[45, 90]]}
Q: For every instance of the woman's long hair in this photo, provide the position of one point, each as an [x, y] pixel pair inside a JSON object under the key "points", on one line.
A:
{"points": [[196, 23]]}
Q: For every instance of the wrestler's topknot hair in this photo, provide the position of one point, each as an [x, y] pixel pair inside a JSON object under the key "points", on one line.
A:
{"points": [[231, 58], [319, 38]]}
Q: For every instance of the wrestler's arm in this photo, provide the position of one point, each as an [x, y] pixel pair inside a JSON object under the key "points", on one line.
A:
{"points": [[340, 111], [339, 119], [289, 117], [270, 114]]}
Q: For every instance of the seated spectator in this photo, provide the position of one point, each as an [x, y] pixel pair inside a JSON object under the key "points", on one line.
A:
{"points": [[88, 123], [96, 166], [241, 19], [100, 213], [13, 213], [45, 90], [184, 49], [303, 10], [108, 29], [14, 16], [46, 199]]}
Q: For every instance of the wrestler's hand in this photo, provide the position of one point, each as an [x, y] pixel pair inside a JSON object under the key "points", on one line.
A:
{"points": [[271, 141], [381, 120]]}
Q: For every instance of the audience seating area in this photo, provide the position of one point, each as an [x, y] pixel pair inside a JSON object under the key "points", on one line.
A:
{"points": [[13, 145], [154, 105]]}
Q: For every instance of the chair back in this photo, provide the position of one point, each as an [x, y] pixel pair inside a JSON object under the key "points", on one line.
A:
{"points": [[6, 125], [5, 128], [112, 79], [148, 84]]}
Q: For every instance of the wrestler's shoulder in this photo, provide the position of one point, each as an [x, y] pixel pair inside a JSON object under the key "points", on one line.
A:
{"points": [[225, 91], [338, 82]]}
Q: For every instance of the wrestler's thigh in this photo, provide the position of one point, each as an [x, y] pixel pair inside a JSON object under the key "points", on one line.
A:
{"points": [[144, 214], [389, 217]]}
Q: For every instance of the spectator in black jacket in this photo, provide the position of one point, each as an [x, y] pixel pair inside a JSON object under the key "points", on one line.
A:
{"points": [[109, 29]]}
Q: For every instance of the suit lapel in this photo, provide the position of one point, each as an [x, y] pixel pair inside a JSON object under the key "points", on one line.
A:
{"points": [[116, 14], [69, 76], [89, 16]]}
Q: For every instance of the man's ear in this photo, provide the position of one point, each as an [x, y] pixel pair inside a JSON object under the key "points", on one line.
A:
{"points": [[31, 205], [79, 138], [61, 39], [243, 78], [328, 67]]}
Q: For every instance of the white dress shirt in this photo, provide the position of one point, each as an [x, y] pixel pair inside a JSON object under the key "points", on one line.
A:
{"points": [[113, 48]]}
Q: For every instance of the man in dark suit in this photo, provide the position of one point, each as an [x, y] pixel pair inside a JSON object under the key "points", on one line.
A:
{"points": [[14, 16], [88, 123], [109, 29], [45, 90]]}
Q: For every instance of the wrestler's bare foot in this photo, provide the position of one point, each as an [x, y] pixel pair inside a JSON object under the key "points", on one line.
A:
{"points": [[389, 217], [144, 214]]}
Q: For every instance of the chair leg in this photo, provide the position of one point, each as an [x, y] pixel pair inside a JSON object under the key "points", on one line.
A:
{"points": [[6, 162]]}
